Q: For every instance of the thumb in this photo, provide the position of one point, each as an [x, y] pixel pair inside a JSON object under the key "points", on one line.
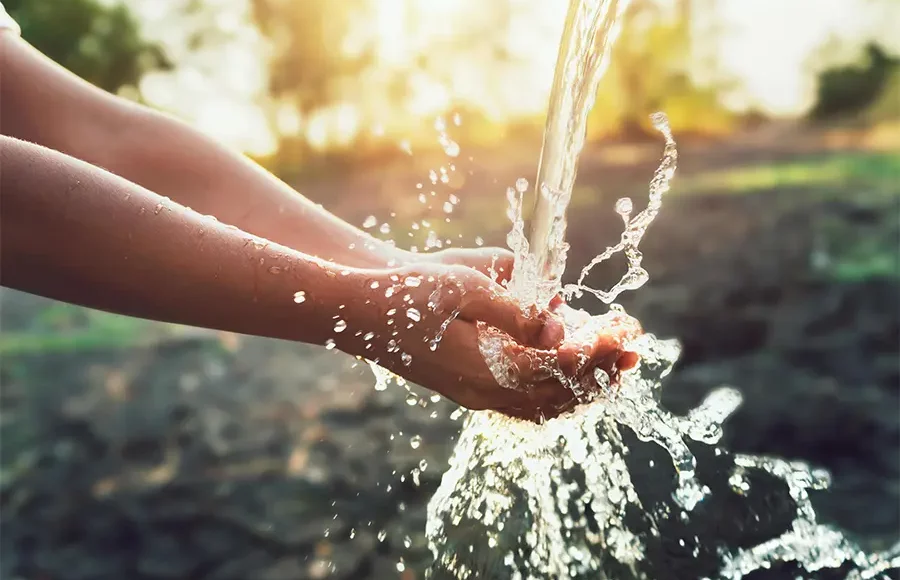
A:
{"points": [[485, 301], [489, 261]]}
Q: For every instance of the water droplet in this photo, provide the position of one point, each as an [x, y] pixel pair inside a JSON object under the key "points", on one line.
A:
{"points": [[352, 533], [373, 284], [406, 358], [479, 241], [413, 281], [407, 542], [329, 344], [432, 241], [369, 336], [422, 198], [521, 185], [454, 199], [411, 399], [660, 121], [413, 314], [450, 147], [370, 222], [392, 346], [624, 206], [423, 464], [382, 535], [457, 119], [602, 378], [340, 326], [448, 207], [385, 228], [300, 297], [415, 441], [432, 176], [274, 270]]}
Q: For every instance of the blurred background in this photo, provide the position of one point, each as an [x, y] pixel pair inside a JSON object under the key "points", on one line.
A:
{"points": [[146, 451]]}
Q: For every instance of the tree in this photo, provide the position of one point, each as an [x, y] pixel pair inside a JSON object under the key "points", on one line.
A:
{"points": [[850, 89], [308, 68], [652, 69], [100, 43]]}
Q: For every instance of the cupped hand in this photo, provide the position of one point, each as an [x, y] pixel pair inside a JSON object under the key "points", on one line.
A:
{"points": [[425, 318], [553, 381]]}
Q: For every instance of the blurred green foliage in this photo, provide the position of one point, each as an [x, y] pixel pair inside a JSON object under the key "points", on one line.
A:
{"points": [[852, 89], [861, 172], [98, 41], [649, 72], [307, 67], [34, 324]]}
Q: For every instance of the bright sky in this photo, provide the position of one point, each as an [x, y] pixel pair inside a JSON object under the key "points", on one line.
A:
{"points": [[769, 41], [765, 44]]}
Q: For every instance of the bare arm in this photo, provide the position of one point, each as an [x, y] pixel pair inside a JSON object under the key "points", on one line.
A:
{"points": [[43, 103], [76, 233]]}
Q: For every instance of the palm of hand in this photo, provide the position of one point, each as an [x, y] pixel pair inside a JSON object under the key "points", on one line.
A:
{"points": [[434, 312]]}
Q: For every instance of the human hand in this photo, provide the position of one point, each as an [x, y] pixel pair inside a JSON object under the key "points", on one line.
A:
{"points": [[423, 325], [496, 263], [587, 363]]}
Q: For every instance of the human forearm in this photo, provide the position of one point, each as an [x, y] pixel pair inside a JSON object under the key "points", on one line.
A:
{"points": [[52, 107], [79, 234], [167, 156]]}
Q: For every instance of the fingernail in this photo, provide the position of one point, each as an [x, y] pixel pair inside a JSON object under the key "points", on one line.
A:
{"points": [[552, 333], [627, 361]]}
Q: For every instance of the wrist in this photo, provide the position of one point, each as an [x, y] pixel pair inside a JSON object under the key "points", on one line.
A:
{"points": [[365, 316]]}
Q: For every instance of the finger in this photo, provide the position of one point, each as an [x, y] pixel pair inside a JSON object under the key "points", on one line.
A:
{"points": [[529, 365], [500, 265], [490, 304], [496, 263], [542, 402], [556, 302]]}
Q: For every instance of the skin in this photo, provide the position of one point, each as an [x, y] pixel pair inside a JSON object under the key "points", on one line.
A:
{"points": [[94, 192]]}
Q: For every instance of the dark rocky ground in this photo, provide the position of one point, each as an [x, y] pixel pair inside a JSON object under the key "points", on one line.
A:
{"points": [[207, 456]]}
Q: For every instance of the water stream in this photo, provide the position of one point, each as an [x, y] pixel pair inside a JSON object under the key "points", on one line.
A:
{"points": [[620, 488]]}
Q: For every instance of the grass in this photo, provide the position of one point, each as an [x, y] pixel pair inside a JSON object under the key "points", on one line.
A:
{"points": [[868, 179], [857, 253], [846, 171], [63, 328]]}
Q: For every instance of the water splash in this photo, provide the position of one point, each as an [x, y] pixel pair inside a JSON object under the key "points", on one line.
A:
{"points": [[591, 29], [556, 500], [573, 497], [635, 227]]}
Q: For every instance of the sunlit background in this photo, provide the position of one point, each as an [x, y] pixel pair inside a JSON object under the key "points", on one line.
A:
{"points": [[136, 450], [256, 72]]}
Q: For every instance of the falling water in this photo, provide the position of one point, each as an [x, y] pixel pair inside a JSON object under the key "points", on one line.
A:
{"points": [[619, 488], [590, 31]]}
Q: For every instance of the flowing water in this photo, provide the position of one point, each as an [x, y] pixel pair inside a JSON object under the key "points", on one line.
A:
{"points": [[620, 488]]}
